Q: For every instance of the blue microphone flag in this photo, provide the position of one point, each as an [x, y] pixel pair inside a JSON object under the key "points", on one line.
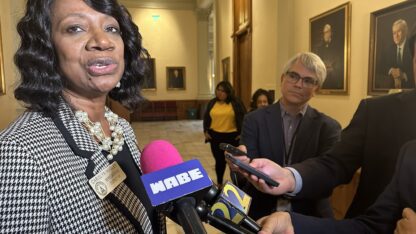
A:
{"points": [[174, 182]]}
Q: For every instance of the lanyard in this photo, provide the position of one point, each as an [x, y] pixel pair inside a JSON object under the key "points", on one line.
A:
{"points": [[287, 160]]}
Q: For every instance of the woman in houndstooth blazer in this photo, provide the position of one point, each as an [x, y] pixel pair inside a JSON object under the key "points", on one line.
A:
{"points": [[73, 54]]}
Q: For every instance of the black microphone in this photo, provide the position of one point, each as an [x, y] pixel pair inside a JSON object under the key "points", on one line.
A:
{"points": [[232, 204], [222, 224]]}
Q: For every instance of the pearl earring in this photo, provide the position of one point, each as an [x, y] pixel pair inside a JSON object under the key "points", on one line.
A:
{"points": [[118, 85]]}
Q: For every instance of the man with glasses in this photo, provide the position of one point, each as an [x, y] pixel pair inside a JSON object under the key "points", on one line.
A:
{"points": [[290, 131], [379, 129]]}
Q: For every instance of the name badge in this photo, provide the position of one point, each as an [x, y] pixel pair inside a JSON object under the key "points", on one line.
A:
{"points": [[107, 180]]}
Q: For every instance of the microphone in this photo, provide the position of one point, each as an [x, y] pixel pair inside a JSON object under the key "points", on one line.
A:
{"points": [[233, 204], [173, 186]]}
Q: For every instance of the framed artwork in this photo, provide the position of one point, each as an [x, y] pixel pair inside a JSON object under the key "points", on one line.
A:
{"points": [[2, 82], [175, 78], [149, 82], [330, 39], [226, 69], [390, 61]]}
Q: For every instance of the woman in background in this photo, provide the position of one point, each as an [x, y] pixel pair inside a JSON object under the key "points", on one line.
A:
{"points": [[73, 55], [261, 98], [222, 124]]}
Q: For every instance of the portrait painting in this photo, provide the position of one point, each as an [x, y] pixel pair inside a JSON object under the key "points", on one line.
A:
{"points": [[2, 81], [149, 81], [226, 69], [330, 40], [176, 78], [390, 61]]}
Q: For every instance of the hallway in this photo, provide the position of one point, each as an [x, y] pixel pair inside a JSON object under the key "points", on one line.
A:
{"points": [[187, 136]]}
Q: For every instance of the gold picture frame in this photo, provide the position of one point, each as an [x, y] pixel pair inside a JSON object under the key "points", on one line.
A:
{"points": [[175, 78], [2, 81], [149, 82], [330, 34], [383, 57]]}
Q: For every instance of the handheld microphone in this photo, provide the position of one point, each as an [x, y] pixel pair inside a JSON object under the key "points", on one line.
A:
{"points": [[233, 204], [174, 187]]}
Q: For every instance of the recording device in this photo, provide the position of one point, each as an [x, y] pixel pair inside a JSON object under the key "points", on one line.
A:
{"points": [[249, 169], [174, 187], [232, 149]]}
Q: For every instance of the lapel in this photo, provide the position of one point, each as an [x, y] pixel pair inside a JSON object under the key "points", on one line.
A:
{"points": [[306, 130], [275, 132], [122, 197]]}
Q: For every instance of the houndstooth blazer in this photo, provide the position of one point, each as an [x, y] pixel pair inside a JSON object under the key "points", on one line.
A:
{"points": [[44, 182]]}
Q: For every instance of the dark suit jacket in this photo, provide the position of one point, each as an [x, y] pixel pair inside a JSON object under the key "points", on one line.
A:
{"points": [[388, 61], [262, 134], [372, 141], [382, 216]]}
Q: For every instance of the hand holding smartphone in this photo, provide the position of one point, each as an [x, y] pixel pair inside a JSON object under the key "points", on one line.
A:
{"points": [[249, 169]]}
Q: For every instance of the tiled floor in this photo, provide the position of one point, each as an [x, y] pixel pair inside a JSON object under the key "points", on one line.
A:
{"points": [[187, 136]]}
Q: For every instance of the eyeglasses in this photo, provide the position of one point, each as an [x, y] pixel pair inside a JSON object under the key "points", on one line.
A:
{"points": [[294, 77]]}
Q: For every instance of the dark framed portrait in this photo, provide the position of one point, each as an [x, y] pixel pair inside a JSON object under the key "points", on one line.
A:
{"points": [[330, 40], [175, 78], [2, 82], [226, 69], [149, 81], [390, 61]]}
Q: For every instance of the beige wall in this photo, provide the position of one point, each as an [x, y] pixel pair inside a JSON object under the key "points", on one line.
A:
{"points": [[224, 31], [172, 41], [264, 45], [340, 107], [10, 10]]}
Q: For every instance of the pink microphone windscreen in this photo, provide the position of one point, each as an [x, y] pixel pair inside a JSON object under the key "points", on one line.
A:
{"points": [[159, 154]]}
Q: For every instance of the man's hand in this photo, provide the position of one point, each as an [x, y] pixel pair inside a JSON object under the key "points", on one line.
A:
{"points": [[282, 175], [407, 224], [395, 73], [276, 223]]}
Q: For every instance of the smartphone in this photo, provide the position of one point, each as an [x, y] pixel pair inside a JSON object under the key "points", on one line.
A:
{"points": [[248, 168]]}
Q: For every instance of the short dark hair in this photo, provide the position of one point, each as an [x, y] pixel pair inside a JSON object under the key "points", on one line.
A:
{"points": [[228, 89], [257, 94], [41, 83]]}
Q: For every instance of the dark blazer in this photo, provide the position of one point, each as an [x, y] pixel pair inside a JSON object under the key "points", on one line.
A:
{"points": [[372, 141], [262, 134], [382, 216], [44, 179], [389, 60]]}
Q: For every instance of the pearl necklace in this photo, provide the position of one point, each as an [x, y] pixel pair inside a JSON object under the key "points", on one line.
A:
{"points": [[112, 144]]}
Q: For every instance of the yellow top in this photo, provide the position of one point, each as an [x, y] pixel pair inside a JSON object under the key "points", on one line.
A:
{"points": [[223, 118]]}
